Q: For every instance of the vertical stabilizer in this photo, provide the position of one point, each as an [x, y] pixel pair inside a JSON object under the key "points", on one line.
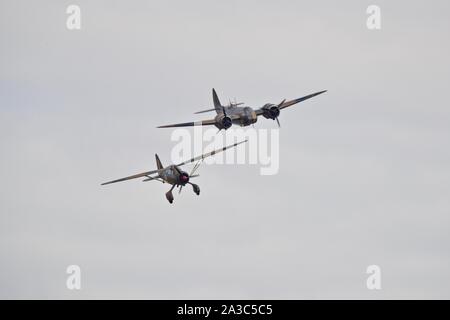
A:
{"points": [[217, 104], [158, 162]]}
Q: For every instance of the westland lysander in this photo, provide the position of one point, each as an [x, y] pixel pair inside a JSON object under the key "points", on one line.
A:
{"points": [[173, 175]]}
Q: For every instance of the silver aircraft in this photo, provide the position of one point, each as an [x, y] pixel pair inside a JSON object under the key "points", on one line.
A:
{"points": [[173, 175], [234, 113]]}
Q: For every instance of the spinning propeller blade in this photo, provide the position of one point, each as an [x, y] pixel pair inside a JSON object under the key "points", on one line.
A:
{"points": [[279, 105]]}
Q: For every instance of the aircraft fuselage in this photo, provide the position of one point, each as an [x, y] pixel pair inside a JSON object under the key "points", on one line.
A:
{"points": [[173, 175], [247, 115]]}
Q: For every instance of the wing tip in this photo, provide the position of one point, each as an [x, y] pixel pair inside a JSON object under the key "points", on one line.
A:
{"points": [[184, 124], [237, 143], [319, 92]]}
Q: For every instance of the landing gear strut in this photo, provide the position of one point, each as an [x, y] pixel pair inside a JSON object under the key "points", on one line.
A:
{"points": [[169, 194], [196, 188]]}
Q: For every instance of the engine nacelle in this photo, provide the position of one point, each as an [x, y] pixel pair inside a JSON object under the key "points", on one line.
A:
{"points": [[270, 111], [223, 122], [183, 178]]}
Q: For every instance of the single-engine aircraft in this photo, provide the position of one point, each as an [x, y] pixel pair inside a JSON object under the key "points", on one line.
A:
{"points": [[234, 113], [173, 175]]}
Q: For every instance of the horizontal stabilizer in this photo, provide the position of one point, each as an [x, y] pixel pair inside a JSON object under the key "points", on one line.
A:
{"points": [[203, 111]]}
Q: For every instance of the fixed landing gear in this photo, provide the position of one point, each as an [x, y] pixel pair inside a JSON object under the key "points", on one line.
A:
{"points": [[196, 188], [169, 194]]}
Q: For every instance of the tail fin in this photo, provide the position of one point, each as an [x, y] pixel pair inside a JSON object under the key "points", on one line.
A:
{"points": [[217, 104], [158, 162]]}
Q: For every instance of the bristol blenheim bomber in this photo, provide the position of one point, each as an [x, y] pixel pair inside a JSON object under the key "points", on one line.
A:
{"points": [[173, 175], [234, 113]]}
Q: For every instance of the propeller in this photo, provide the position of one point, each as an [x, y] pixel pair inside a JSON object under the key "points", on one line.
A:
{"points": [[225, 116], [191, 174], [279, 106]]}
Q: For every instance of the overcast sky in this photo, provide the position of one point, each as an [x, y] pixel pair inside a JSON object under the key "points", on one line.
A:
{"points": [[364, 169]]}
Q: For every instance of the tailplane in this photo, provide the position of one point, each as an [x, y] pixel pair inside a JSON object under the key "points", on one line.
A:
{"points": [[203, 111]]}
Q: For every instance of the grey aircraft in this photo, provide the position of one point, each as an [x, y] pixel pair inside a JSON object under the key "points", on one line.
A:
{"points": [[173, 175], [234, 113]]}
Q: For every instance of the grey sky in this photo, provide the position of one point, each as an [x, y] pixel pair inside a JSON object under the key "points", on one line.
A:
{"points": [[364, 175]]}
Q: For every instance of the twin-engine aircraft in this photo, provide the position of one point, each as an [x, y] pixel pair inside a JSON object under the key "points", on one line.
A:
{"points": [[225, 117], [173, 175], [243, 116]]}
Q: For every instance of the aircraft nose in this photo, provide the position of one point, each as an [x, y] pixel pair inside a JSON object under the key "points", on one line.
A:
{"points": [[184, 177]]}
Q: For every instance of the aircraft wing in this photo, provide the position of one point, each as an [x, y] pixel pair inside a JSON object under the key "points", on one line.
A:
{"points": [[199, 123], [190, 124], [203, 111], [292, 102], [210, 153], [139, 175]]}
